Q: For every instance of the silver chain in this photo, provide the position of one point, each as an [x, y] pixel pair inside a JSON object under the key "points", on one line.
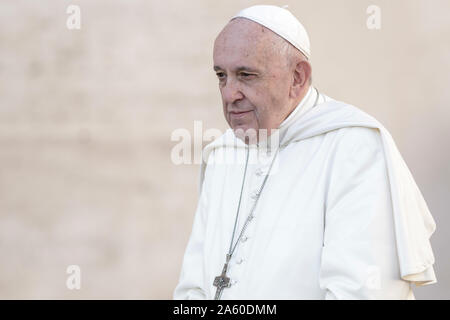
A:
{"points": [[250, 216]]}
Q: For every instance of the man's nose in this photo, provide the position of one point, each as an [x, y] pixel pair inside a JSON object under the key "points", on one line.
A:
{"points": [[231, 91]]}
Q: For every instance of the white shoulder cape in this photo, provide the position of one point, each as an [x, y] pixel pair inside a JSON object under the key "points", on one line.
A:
{"points": [[414, 224]]}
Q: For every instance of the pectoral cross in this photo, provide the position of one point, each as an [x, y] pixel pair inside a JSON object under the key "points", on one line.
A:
{"points": [[222, 281]]}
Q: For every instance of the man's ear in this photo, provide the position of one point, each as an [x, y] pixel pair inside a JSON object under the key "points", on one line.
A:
{"points": [[301, 75]]}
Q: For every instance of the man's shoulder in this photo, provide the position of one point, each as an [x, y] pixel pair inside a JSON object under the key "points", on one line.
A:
{"points": [[221, 140], [227, 140], [224, 139], [333, 116], [355, 142], [367, 132], [358, 135]]}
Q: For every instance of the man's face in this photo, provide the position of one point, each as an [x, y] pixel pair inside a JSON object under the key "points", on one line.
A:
{"points": [[254, 77]]}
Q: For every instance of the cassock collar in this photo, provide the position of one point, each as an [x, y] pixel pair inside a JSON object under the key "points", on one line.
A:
{"points": [[304, 106]]}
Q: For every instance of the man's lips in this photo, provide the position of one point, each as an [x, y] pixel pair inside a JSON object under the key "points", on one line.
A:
{"points": [[238, 114]]}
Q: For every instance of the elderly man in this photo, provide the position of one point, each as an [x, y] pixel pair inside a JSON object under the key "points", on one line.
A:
{"points": [[332, 213]]}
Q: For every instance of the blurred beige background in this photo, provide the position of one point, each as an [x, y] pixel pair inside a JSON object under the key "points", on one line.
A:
{"points": [[86, 118]]}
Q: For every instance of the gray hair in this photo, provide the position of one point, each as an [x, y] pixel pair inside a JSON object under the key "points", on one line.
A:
{"points": [[292, 54]]}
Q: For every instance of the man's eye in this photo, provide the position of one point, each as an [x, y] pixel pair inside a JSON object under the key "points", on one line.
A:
{"points": [[220, 75], [246, 75]]}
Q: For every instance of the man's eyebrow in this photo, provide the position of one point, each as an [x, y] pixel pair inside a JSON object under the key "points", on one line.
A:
{"points": [[248, 69], [238, 69]]}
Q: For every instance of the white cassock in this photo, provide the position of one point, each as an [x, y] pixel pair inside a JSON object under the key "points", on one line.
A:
{"points": [[340, 218]]}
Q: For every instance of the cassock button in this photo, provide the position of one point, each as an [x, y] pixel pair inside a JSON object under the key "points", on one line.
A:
{"points": [[259, 172], [243, 239], [255, 195], [240, 261], [233, 281]]}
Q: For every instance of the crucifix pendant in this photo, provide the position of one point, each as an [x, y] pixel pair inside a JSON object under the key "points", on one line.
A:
{"points": [[222, 281]]}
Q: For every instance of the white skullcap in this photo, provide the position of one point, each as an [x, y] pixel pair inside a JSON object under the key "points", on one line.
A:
{"points": [[280, 21]]}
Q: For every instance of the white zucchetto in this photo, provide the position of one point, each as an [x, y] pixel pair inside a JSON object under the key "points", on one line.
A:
{"points": [[282, 22]]}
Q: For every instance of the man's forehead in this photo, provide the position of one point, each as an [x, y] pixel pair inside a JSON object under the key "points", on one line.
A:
{"points": [[262, 35], [239, 56], [247, 42]]}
